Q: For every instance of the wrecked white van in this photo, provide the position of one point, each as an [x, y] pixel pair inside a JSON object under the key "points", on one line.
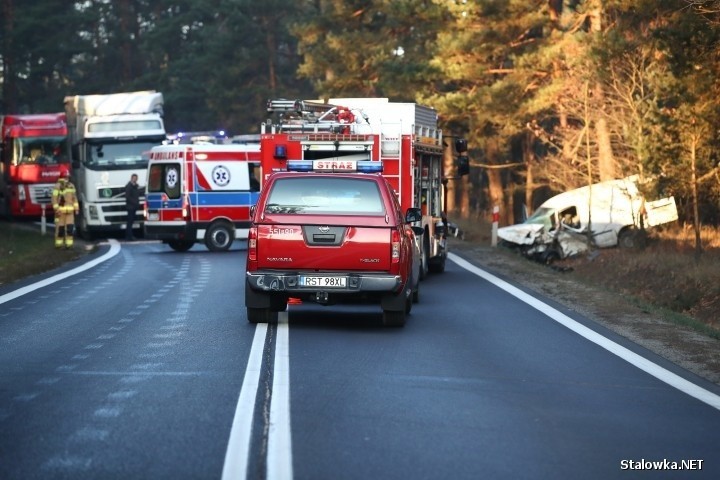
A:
{"points": [[606, 214]]}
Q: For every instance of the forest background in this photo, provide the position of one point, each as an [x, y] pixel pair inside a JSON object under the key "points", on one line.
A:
{"points": [[550, 94]]}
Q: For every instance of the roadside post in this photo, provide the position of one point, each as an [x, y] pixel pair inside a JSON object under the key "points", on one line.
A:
{"points": [[43, 219], [495, 220]]}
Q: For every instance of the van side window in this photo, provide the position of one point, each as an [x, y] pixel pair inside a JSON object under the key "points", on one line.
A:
{"points": [[570, 218]]}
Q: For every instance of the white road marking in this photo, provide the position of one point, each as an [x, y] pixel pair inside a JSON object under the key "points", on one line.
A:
{"points": [[640, 362], [236, 456], [279, 457], [114, 250]]}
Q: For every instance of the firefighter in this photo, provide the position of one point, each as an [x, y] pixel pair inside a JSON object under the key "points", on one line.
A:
{"points": [[65, 205]]}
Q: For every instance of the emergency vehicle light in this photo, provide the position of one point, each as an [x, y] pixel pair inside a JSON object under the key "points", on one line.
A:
{"points": [[368, 166], [336, 166], [300, 166]]}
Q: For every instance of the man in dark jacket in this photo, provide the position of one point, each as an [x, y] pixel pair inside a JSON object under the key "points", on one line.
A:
{"points": [[132, 204]]}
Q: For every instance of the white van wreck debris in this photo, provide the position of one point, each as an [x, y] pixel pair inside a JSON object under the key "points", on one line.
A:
{"points": [[606, 214]]}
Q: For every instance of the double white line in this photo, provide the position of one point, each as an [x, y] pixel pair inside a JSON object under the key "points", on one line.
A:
{"points": [[278, 463]]}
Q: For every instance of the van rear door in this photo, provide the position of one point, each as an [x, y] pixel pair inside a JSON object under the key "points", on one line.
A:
{"points": [[164, 192]]}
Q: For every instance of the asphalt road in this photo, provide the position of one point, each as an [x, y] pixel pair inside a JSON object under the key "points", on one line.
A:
{"points": [[144, 366]]}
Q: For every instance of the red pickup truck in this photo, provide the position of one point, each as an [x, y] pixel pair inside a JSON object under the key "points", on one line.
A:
{"points": [[331, 236]]}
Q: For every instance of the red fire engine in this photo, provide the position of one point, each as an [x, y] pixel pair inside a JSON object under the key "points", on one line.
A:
{"points": [[403, 136], [201, 193], [33, 154]]}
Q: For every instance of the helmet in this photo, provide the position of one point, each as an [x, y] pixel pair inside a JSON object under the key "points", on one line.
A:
{"points": [[64, 174]]}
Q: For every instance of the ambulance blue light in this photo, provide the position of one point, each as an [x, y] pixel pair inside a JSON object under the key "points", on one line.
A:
{"points": [[300, 166], [368, 166]]}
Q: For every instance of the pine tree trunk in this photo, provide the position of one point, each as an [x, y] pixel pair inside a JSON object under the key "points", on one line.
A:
{"points": [[8, 102], [606, 160], [450, 175]]}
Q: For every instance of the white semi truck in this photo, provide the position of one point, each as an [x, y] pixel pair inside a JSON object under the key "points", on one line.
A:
{"points": [[110, 139]]}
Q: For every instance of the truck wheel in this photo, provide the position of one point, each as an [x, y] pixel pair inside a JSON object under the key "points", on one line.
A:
{"points": [[394, 318], [219, 237], [437, 265], [181, 245], [83, 230], [425, 257], [261, 315]]}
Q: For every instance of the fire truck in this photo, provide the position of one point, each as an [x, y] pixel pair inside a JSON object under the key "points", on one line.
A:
{"points": [[403, 136], [201, 193], [33, 154]]}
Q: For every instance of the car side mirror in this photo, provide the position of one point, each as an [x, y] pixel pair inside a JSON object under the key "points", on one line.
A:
{"points": [[413, 215], [252, 211], [418, 231]]}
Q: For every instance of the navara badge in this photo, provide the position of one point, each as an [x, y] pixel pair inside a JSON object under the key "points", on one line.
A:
{"points": [[324, 229]]}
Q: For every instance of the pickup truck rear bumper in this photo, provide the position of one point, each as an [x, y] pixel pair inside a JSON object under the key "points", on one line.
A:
{"points": [[355, 283]]}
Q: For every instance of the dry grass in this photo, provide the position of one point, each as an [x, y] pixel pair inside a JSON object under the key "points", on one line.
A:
{"points": [[667, 273], [24, 252]]}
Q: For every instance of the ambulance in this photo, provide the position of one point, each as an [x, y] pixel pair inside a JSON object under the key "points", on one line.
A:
{"points": [[201, 193]]}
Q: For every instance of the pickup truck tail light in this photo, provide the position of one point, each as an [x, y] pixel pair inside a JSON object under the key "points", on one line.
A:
{"points": [[252, 247], [395, 246]]}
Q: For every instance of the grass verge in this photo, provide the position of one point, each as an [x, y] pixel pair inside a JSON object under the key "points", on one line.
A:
{"points": [[24, 251]]}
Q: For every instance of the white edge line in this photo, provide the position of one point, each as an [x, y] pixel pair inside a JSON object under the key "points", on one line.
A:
{"points": [[114, 250], [640, 362], [236, 456], [279, 458]]}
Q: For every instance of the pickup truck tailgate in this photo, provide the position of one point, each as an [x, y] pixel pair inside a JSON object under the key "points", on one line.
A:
{"points": [[324, 248]]}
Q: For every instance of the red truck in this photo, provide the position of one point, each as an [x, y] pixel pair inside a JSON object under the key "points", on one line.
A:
{"points": [[323, 232], [33, 154], [403, 136]]}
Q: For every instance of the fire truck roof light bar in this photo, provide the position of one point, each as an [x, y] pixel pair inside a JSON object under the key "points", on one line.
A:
{"points": [[335, 166]]}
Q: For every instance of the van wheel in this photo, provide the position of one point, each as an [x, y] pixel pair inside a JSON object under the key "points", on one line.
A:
{"points": [[549, 257], [631, 238], [219, 237], [261, 315], [180, 245]]}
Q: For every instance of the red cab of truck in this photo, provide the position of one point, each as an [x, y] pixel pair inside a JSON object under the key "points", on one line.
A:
{"points": [[33, 155], [330, 234]]}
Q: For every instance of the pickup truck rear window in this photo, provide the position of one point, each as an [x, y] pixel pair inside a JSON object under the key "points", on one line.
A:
{"points": [[325, 195]]}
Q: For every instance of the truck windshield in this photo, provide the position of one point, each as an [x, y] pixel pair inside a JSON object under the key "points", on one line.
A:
{"points": [[325, 195], [40, 151], [118, 156]]}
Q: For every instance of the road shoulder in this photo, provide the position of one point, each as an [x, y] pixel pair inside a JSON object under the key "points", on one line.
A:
{"points": [[680, 345]]}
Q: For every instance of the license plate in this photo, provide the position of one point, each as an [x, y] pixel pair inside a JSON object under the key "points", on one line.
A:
{"points": [[153, 216], [324, 282]]}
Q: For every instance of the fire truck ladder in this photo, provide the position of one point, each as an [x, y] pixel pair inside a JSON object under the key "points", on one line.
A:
{"points": [[304, 116]]}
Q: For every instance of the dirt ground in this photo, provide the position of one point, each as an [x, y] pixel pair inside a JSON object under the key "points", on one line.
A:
{"points": [[681, 345]]}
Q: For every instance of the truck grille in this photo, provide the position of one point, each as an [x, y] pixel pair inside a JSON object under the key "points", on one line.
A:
{"points": [[41, 193]]}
